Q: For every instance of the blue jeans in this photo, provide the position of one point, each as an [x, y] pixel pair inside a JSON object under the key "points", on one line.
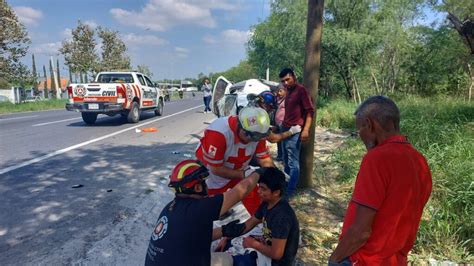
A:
{"points": [[345, 262], [207, 100], [247, 259], [279, 145], [291, 159]]}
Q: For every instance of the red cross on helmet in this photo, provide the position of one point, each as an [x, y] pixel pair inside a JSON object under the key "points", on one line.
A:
{"points": [[255, 122]]}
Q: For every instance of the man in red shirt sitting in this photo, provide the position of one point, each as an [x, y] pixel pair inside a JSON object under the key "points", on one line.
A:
{"points": [[391, 190], [227, 147]]}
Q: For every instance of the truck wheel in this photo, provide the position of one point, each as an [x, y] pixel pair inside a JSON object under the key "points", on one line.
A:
{"points": [[89, 118], [134, 113], [159, 108]]}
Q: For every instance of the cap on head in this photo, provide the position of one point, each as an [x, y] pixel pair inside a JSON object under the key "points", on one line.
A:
{"points": [[254, 120], [186, 174], [268, 98]]}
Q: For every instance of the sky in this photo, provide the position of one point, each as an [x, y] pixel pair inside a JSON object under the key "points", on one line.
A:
{"points": [[176, 39]]}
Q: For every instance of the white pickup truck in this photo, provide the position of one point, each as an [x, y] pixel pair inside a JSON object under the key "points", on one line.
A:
{"points": [[111, 93]]}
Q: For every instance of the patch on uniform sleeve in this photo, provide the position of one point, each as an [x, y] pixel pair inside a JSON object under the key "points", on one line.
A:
{"points": [[212, 151], [160, 228]]}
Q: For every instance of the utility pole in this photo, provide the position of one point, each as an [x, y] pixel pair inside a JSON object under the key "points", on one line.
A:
{"points": [[314, 30], [55, 79]]}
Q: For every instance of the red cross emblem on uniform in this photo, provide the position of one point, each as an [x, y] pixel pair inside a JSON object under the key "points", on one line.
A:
{"points": [[240, 159]]}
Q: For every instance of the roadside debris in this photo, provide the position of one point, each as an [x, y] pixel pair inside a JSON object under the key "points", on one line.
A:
{"points": [[109, 190], [147, 129], [187, 155], [77, 186]]}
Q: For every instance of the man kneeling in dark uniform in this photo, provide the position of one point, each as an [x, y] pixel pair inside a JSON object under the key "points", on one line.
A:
{"points": [[183, 232]]}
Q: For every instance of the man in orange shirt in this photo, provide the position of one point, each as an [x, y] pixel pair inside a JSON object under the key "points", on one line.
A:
{"points": [[391, 190]]}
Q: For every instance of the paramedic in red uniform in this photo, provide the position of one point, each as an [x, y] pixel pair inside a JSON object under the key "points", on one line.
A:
{"points": [[227, 147], [391, 190]]}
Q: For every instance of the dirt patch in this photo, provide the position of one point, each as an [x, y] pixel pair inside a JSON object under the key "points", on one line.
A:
{"points": [[320, 210]]}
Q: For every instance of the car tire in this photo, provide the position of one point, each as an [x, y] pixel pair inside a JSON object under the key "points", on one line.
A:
{"points": [[159, 108], [89, 118], [133, 115]]}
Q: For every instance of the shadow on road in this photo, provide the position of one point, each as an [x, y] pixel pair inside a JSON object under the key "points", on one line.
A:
{"points": [[41, 210]]}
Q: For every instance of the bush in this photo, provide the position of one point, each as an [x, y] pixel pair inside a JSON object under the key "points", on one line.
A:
{"points": [[337, 114]]}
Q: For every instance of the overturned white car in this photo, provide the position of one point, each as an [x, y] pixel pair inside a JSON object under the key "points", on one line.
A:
{"points": [[228, 98]]}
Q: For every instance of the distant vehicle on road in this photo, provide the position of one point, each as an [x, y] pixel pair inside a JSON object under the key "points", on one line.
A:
{"points": [[191, 89], [228, 98], [112, 93], [187, 86]]}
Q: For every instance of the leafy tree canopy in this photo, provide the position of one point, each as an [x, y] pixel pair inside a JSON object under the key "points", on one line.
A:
{"points": [[14, 43]]}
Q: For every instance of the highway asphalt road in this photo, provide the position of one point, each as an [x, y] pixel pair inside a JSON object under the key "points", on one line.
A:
{"points": [[65, 185]]}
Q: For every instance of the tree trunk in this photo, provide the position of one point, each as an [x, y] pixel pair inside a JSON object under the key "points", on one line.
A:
{"points": [[353, 86], [393, 72], [314, 30], [35, 75], [70, 76], [471, 73], [376, 83], [357, 90], [81, 77], [465, 29]]}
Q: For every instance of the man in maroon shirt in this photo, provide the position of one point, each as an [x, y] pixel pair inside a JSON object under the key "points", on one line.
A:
{"points": [[391, 190], [299, 110]]}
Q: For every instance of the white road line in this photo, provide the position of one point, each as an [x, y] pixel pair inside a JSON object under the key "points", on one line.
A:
{"points": [[4, 119], [59, 121], [44, 157]]}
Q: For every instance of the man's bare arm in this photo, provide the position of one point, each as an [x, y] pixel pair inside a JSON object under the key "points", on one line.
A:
{"points": [[307, 123], [356, 235], [216, 233], [275, 251], [240, 191], [277, 137], [226, 172]]}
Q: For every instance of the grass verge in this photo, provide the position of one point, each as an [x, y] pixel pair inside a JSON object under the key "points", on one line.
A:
{"points": [[7, 107], [442, 129]]}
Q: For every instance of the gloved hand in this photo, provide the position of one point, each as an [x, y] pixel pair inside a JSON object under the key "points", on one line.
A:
{"points": [[295, 129], [233, 229]]}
